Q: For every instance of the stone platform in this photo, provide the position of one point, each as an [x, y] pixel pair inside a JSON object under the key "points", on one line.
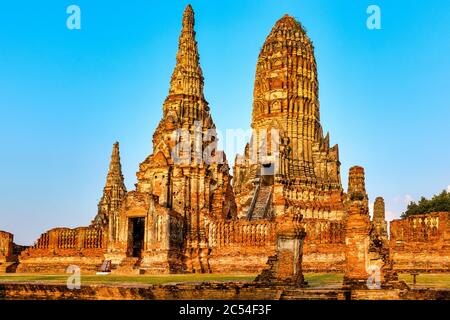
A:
{"points": [[206, 291]]}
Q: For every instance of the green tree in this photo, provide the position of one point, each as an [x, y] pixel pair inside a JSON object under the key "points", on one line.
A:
{"points": [[438, 203]]}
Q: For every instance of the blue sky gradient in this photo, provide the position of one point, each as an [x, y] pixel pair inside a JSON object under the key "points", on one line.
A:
{"points": [[67, 95]]}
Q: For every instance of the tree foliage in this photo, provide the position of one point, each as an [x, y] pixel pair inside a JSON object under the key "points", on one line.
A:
{"points": [[438, 203]]}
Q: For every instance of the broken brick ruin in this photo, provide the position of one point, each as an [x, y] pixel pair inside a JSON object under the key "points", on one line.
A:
{"points": [[9, 252], [284, 212], [6, 247], [421, 243]]}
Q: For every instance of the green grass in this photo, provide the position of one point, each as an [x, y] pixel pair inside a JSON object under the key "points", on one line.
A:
{"points": [[324, 279], [127, 279], [425, 280], [315, 280]]}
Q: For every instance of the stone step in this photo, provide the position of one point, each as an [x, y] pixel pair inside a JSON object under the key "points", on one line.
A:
{"points": [[261, 202], [311, 294]]}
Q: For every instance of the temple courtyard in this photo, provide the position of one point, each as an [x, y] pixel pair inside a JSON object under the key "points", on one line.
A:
{"points": [[315, 280]]}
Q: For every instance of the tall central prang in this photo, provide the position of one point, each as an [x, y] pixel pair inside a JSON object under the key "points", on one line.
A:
{"points": [[298, 167]]}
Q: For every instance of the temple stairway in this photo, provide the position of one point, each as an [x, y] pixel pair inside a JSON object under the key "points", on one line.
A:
{"points": [[260, 203]]}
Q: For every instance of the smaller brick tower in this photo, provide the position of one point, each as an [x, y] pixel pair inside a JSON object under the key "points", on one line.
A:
{"points": [[357, 231], [114, 193], [379, 219]]}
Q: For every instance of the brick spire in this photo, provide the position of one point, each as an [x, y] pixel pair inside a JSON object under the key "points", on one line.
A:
{"points": [[357, 187], [185, 103], [114, 191], [379, 209], [379, 218], [115, 177], [187, 77]]}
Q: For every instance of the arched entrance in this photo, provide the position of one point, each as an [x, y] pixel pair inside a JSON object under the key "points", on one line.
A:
{"points": [[136, 231]]}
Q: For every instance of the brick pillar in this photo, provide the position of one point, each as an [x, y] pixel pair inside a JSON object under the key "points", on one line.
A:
{"points": [[6, 246], [357, 245], [285, 268]]}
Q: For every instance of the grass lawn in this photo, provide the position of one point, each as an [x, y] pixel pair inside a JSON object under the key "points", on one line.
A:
{"points": [[324, 279], [425, 280], [314, 280], [126, 279]]}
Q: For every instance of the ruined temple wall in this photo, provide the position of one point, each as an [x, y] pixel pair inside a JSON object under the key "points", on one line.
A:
{"points": [[240, 258], [6, 246], [421, 243], [240, 245], [322, 257], [244, 246], [324, 245], [59, 248], [164, 241], [58, 265]]}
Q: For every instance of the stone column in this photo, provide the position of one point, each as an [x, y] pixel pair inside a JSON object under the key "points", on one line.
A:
{"points": [[357, 245]]}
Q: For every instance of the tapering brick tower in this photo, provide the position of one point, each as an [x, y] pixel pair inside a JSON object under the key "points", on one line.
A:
{"points": [[357, 231], [356, 191], [379, 219], [298, 167], [114, 193], [185, 182], [379, 254]]}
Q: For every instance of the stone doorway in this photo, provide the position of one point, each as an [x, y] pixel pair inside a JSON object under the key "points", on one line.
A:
{"points": [[267, 174], [136, 227]]}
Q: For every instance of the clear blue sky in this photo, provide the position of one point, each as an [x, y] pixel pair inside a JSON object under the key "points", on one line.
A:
{"points": [[67, 95]]}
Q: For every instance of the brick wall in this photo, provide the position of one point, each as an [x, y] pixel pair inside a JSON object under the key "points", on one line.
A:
{"points": [[58, 248], [421, 243]]}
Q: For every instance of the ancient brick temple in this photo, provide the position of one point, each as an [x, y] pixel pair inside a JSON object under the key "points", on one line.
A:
{"points": [[165, 222], [284, 211]]}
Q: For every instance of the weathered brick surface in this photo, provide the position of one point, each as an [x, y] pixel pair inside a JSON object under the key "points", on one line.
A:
{"points": [[9, 252], [421, 243], [357, 244], [285, 267], [357, 230], [208, 291], [6, 246], [58, 248]]}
